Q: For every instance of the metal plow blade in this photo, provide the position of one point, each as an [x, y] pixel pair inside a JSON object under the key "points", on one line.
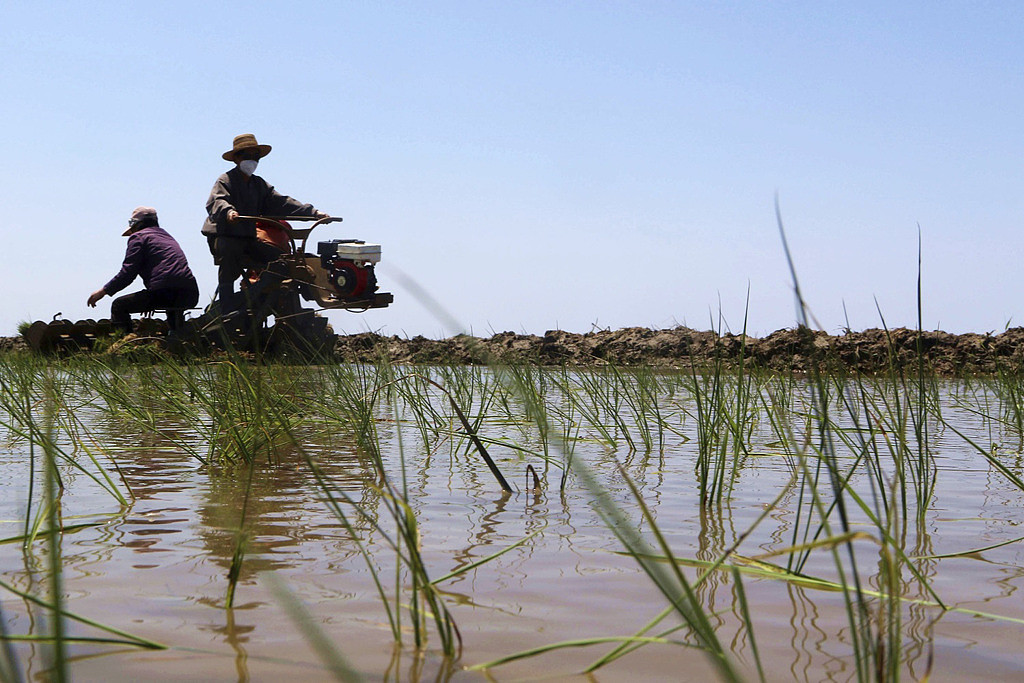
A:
{"points": [[66, 336]]}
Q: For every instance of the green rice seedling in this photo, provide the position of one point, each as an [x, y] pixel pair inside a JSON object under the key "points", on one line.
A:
{"points": [[745, 415], [478, 396], [188, 405], [887, 510], [27, 387], [604, 401], [235, 570], [877, 639], [927, 404], [245, 411], [914, 465], [602, 409], [991, 402], [720, 442], [18, 386], [636, 402], [357, 409], [509, 409], [991, 456], [725, 417], [430, 421], [250, 409], [424, 601], [885, 408], [874, 632], [795, 444], [855, 601], [613, 400], [470, 432], [115, 637], [1009, 387], [648, 404], [334, 498], [709, 568], [590, 412], [889, 613], [673, 584], [564, 413], [826, 488], [419, 393], [404, 544], [529, 384], [45, 432], [709, 469], [464, 382], [51, 504], [347, 400]]}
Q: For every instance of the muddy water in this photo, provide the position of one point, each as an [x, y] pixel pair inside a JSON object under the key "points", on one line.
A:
{"points": [[158, 567]]}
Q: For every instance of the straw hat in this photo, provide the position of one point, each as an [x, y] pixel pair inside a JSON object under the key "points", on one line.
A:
{"points": [[244, 142], [142, 214]]}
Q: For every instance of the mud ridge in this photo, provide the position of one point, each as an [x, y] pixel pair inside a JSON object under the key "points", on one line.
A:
{"points": [[788, 350]]}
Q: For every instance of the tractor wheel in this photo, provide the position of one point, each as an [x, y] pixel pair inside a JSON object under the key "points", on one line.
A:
{"points": [[306, 337]]}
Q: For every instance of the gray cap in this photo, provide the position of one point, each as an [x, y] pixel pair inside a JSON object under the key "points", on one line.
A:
{"points": [[141, 214]]}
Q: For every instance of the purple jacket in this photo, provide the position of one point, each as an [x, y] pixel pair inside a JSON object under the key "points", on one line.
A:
{"points": [[157, 257]]}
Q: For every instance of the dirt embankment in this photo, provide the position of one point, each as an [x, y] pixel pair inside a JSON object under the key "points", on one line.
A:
{"points": [[785, 350]]}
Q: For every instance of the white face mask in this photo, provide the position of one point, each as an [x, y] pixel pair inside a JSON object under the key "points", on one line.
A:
{"points": [[248, 166]]}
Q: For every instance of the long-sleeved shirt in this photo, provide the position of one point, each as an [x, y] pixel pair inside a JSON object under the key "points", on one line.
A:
{"points": [[249, 196], [156, 256]]}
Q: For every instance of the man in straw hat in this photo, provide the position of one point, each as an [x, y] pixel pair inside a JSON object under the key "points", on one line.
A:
{"points": [[155, 256], [237, 193]]}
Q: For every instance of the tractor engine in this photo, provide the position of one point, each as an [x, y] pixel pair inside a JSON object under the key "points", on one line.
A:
{"points": [[349, 267]]}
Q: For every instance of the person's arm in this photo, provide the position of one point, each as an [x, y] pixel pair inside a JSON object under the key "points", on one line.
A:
{"points": [[277, 204], [218, 205], [130, 269]]}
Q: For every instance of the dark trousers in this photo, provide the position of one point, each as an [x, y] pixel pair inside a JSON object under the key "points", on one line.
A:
{"points": [[174, 299], [234, 255]]}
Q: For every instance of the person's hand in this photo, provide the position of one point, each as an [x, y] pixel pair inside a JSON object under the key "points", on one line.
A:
{"points": [[232, 216], [96, 296], [318, 214]]}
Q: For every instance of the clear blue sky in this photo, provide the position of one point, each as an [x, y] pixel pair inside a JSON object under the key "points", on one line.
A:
{"points": [[539, 165]]}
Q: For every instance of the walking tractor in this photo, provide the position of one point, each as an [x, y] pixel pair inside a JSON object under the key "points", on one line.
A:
{"points": [[340, 275]]}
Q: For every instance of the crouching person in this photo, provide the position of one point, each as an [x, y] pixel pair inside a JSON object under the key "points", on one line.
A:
{"points": [[156, 257]]}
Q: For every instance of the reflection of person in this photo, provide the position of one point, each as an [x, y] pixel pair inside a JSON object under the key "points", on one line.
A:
{"points": [[237, 193], [155, 256]]}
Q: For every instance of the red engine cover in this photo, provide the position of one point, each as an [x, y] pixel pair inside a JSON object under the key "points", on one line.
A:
{"points": [[352, 281]]}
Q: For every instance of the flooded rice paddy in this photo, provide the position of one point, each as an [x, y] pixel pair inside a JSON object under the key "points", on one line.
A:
{"points": [[231, 522]]}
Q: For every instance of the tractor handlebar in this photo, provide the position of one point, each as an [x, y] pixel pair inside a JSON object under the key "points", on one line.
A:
{"points": [[294, 233]]}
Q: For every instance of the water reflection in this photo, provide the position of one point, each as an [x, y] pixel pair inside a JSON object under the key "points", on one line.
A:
{"points": [[161, 564], [918, 626], [279, 510], [157, 478], [483, 536], [714, 519]]}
